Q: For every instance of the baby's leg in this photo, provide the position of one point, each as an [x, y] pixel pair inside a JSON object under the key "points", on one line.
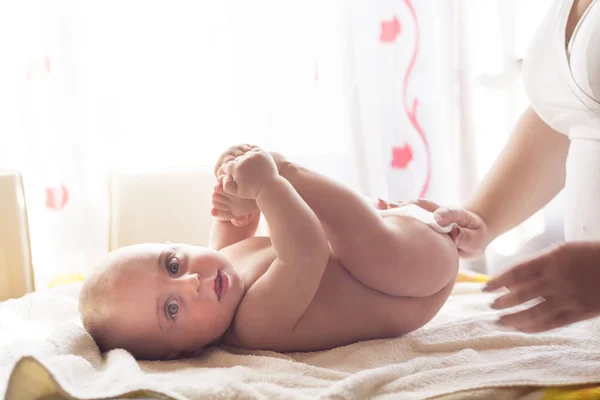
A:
{"points": [[397, 255]]}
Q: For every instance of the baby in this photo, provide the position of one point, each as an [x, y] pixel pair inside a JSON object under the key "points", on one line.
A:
{"points": [[334, 270]]}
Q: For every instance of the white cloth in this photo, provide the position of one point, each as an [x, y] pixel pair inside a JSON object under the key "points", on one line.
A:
{"points": [[416, 212], [461, 349], [562, 81]]}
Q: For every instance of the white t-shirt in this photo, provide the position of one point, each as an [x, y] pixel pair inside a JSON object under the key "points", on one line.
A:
{"points": [[562, 81]]}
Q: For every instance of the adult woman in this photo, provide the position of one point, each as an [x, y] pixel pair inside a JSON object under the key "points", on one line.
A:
{"points": [[555, 144]]}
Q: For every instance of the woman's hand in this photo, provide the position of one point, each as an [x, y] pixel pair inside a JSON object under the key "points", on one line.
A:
{"points": [[564, 278], [470, 234]]}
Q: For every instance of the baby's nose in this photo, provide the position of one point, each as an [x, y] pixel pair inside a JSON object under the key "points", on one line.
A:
{"points": [[192, 283]]}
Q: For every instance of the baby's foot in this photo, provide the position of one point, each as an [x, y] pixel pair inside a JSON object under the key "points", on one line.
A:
{"points": [[227, 207]]}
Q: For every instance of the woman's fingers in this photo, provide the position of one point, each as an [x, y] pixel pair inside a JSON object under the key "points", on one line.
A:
{"points": [[520, 294], [469, 241], [555, 320], [426, 204], [381, 204], [446, 216], [455, 233], [525, 271], [547, 315], [531, 317]]}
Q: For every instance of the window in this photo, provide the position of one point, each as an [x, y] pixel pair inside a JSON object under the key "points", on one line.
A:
{"points": [[187, 81]]}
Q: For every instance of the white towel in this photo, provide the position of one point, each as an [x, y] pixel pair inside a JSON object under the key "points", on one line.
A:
{"points": [[461, 349]]}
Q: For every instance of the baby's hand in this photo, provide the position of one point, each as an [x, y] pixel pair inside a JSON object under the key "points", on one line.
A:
{"points": [[232, 208], [229, 155], [246, 175]]}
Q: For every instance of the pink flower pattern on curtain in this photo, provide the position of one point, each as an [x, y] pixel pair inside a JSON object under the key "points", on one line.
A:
{"points": [[402, 153]]}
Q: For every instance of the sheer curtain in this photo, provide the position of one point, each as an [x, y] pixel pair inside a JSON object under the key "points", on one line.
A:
{"points": [[443, 90], [403, 72], [92, 86], [390, 97]]}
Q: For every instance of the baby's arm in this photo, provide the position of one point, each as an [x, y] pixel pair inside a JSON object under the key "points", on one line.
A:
{"points": [[281, 296]]}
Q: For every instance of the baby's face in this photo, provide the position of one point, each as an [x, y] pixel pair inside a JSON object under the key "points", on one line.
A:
{"points": [[172, 298]]}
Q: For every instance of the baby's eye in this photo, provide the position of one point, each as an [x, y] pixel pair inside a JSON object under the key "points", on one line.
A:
{"points": [[171, 309], [173, 266]]}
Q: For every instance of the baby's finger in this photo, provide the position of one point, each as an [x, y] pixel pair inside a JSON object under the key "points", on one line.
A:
{"points": [[382, 204], [445, 216], [223, 161], [229, 185], [228, 167], [246, 148]]}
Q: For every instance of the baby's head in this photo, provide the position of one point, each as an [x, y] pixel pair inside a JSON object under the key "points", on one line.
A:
{"points": [[160, 301]]}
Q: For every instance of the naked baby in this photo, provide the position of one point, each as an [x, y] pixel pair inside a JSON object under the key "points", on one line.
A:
{"points": [[334, 270]]}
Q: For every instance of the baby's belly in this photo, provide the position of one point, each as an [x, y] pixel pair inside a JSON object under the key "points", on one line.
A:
{"points": [[582, 191]]}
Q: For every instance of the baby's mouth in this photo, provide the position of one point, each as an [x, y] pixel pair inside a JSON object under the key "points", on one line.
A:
{"points": [[218, 285]]}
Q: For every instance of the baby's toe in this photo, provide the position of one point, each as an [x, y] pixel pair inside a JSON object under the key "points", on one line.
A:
{"points": [[221, 214], [220, 198]]}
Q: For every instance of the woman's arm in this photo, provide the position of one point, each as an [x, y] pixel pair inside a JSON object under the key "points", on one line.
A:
{"points": [[529, 172]]}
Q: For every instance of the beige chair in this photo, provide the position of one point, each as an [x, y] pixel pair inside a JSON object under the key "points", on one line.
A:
{"points": [[16, 272], [171, 204]]}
